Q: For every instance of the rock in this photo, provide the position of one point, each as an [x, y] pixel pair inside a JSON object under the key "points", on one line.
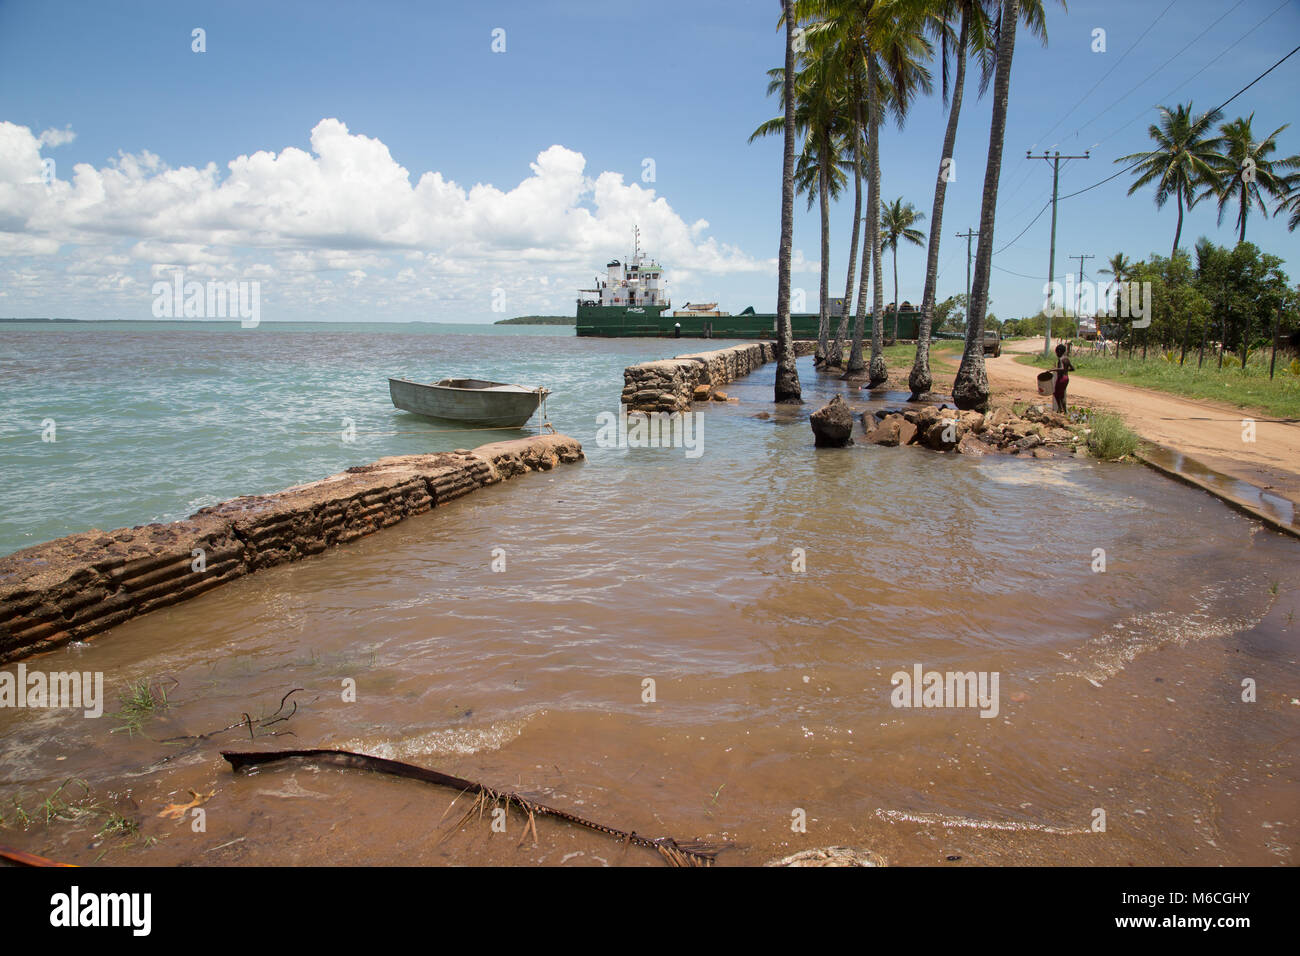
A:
{"points": [[925, 418], [974, 421], [894, 430], [970, 445], [832, 424], [911, 415], [701, 393], [944, 434], [1043, 453], [998, 417], [720, 396], [1026, 443], [764, 415], [1017, 429]]}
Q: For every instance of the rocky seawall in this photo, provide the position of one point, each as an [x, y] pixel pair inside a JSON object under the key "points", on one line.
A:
{"points": [[78, 586], [1038, 432], [670, 385]]}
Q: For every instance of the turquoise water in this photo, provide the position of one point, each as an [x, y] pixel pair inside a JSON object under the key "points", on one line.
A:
{"points": [[154, 420]]}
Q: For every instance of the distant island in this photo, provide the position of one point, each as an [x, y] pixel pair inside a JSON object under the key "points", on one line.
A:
{"points": [[537, 320]]}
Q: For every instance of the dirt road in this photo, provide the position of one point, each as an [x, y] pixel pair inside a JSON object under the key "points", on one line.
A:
{"points": [[1210, 432]]}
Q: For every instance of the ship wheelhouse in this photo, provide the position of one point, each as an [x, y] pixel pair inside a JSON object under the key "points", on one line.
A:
{"points": [[634, 284]]}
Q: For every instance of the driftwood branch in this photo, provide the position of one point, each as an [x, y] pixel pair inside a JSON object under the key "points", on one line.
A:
{"points": [[677, 854], [247, 721]]}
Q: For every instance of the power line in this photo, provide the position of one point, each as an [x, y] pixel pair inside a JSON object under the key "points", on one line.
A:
{"points": [[1021, 274], [1230, 48], [1146, 78], [1046, 206], [1136, 42], [1155, 152]]}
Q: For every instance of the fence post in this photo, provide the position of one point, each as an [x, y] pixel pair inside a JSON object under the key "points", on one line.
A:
{"points": [[1277, 323]]}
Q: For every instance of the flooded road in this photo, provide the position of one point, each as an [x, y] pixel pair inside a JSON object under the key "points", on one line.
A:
{"points": [[770, 592]]}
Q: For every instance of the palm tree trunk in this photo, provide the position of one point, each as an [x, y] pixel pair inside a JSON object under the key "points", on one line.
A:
{"points": [[1245, 208], [823, 320], [878, 374], [971, 387], [787, 375], [1179, 230], [919, 380], [836, 358], [895, 292], [859, 316]]}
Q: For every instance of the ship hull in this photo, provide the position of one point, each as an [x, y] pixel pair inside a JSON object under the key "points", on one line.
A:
{"points": [[657, 322]]}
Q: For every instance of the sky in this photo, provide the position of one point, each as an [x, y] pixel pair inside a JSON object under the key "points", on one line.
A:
{"points": [[465, 163]]}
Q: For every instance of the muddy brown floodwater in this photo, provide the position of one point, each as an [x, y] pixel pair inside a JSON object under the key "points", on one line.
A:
{"points": [[1120, 692]]}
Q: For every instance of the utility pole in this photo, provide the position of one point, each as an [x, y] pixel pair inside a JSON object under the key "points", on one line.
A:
{"points": [[967, 236], [1079, 300], [1055, 160]]}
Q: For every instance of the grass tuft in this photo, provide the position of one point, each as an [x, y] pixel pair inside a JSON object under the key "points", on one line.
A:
{"points": [[139, 701], [1110, 438]]}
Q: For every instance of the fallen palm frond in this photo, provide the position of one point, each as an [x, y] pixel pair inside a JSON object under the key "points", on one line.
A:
{"points": [[677, 854]]}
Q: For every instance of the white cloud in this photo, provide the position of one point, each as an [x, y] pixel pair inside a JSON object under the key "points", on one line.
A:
{"points": [[349, 207], [57, 137]]}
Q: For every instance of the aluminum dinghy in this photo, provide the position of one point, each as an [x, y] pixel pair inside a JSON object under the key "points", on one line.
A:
{"points": [[472, 401]]}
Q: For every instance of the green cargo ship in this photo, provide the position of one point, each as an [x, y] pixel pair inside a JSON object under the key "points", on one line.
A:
{"points": [[631, 301]]}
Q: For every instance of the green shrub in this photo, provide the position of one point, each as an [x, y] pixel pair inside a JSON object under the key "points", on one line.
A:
{"points": [[1110, 438]]}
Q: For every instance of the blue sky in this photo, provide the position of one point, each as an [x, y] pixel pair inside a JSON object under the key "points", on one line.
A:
{"points": [[426, 171]]}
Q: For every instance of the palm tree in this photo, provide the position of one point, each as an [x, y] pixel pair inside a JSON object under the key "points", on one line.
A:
{"points": [[839, 23], [971, 388], [818, 114], [896, 35], [974, 36], [882, 49], [819, 175], [1118, 268], [787, 388], [1185, 158], [1247, 173], [897, 220], [1291, 201], [854, 131]]}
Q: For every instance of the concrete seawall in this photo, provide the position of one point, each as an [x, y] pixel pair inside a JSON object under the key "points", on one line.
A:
{"points": [[78, 586], [668, 385]]}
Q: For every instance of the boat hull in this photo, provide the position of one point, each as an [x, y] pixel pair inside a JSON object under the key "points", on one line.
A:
{"points": [[494, 409], [619, 322]]}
